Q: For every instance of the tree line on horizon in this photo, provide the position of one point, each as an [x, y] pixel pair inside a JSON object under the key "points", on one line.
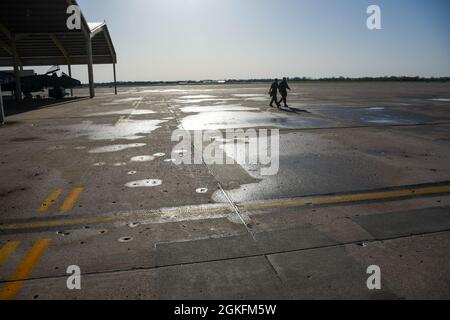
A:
{"points": [[294, 79]]}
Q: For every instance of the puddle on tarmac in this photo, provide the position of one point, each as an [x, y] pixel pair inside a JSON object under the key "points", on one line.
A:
{"points": [[230, 120], [441, 100], [258, 99], [125, 112], [176, 91], [303, 170], [63, 233], [249, 95], [144, 183], [198, 96], [190, 101], [253, 97], [134, 224], [119, 164], [127, 130], [142, 159], [376, 115], [159, 154], [116, 147], [216, 108]]}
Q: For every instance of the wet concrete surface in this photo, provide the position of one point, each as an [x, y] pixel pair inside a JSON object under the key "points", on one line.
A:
{"points": [[380, 116], [112, 157]]}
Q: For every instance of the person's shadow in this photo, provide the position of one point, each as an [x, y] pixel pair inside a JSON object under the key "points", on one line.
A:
{"points": [[293, 110]]}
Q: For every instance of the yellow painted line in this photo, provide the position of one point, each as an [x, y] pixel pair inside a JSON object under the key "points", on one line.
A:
{"points": [[23, 271], [348, 198], [136, 105], [7, 250], [127, 118], [119, 121], [71, 199], [51, 199], [223, 209]]}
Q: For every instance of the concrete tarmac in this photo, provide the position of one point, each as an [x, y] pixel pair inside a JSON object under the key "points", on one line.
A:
{"points": [[363, 179]]}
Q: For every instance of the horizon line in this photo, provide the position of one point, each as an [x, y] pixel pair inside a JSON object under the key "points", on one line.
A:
{"points": [[334, 78]]}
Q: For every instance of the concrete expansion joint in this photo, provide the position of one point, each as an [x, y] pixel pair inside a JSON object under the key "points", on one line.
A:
{"points": [[264, 255]]}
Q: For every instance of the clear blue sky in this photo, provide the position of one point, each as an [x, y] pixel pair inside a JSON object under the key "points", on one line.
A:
{"points": [[219, 39]]}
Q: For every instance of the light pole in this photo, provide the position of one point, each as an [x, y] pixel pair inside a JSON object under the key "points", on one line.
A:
{"points": [[2, 113]]}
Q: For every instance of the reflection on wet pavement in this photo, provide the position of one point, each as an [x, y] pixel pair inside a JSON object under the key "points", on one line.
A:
{"points": [[127, 130], [142, 159], [216, 108], [144, 183], [125, 112], [308, 165], [376, 116], [248, 95], [189, 101], [116, 147], [441, 100], [230, 120], [198, 96], [257, 99]]}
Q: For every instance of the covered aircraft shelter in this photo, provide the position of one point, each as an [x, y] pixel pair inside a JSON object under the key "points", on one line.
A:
{"points": [[35, 33]]}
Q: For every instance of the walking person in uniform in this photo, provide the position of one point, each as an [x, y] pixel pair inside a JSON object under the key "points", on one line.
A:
{"points": [[283, 87], [273, 92]]}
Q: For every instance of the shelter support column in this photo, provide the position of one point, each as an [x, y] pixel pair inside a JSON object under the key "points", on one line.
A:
{"points": [[115, 79], [90, 68], [2, 112], [69, 67], [17, 72]]}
